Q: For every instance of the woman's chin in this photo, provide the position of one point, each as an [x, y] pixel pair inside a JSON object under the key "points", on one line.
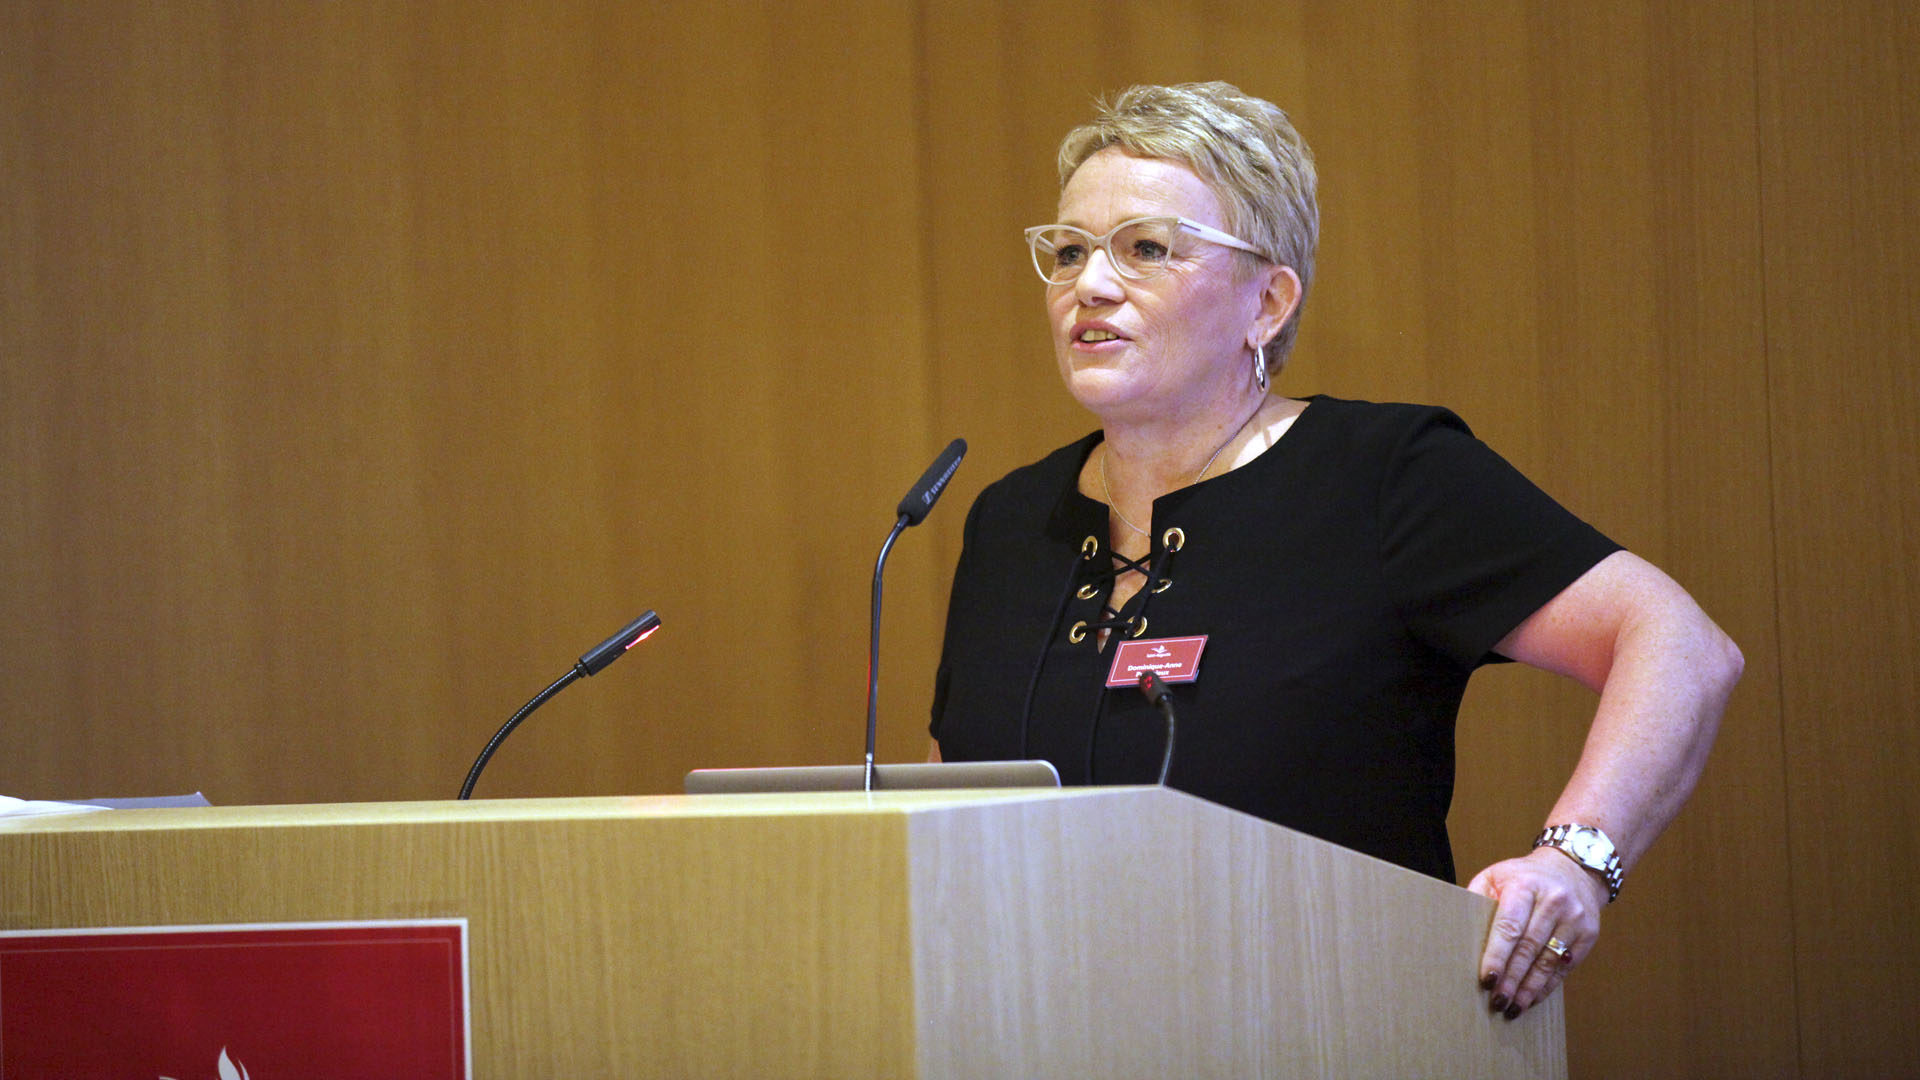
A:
{"points": [[1090, 381], [1101, 389]]}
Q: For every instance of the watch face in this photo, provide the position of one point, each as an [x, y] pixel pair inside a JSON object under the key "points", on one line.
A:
{"points": [[1590, 846]]}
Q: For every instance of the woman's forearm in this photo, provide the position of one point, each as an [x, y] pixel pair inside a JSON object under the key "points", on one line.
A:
{"points": [[1660, 704]]}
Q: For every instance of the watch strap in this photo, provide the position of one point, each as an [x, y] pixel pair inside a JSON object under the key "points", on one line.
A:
{"points": [[1609, 869]]}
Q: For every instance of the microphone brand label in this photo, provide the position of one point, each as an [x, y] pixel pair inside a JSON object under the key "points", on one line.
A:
{"points": [[1175, 660]]}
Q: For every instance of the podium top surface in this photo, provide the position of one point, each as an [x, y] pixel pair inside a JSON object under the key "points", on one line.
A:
{"points": [[582, 808]]}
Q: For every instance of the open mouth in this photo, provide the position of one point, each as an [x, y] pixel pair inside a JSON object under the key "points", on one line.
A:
{"points": [[1091, 334]]}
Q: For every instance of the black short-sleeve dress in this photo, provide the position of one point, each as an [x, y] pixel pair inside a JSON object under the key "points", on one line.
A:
{"points": [[1348, 580]]}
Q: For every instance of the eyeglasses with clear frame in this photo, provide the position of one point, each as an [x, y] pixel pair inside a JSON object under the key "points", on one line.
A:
{"points": [[1138, 249]]}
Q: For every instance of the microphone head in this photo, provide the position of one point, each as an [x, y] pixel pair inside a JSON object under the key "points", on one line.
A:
{"points": [[616, 646], [1153, 687], [926, 491]]}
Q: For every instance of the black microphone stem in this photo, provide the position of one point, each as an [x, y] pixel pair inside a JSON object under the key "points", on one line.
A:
{"points": [[1166, 760], [1156, 692], [873, 647], [473, 774], [593, 662]]}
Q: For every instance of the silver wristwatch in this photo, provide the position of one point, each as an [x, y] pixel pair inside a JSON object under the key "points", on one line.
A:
{"points": [[1590, 848]]}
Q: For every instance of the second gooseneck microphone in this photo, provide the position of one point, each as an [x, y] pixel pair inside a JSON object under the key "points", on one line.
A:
{"points": [[912, 510], [595, 660]]}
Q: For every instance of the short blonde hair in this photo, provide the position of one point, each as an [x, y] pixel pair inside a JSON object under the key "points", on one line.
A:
{"points": [[1245, 149]]}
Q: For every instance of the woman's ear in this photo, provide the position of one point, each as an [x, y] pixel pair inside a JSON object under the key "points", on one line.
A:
{"points": [[1278, 301]]}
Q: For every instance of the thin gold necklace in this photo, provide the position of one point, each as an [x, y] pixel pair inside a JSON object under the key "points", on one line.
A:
{"points": [[1108, 491]]}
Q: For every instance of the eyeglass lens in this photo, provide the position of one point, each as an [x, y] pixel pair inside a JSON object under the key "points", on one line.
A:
{"points": [[1138, 249]]}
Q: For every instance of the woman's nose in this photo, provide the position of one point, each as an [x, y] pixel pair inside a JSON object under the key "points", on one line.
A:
{"points": [[1098, 282]]}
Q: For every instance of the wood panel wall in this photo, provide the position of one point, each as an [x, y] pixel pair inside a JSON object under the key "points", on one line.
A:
{"points": [[361, 364], [1840, 165]]}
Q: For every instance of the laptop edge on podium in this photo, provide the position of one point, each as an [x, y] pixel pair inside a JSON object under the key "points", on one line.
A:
{"points": [[909, 776]]}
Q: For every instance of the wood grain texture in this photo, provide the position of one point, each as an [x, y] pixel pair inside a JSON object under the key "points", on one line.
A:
{"points": [[1841, 142], [846, 934], [1149, 934], [371, 362], [606, 936]]}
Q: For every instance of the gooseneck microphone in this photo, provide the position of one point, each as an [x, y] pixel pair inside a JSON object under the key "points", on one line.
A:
{"points": [[912, 510], [926, 491], [1156, 692], [595, 661]]}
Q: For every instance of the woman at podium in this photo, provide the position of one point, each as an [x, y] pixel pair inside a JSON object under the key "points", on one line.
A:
{"points": [[1316, 578]]}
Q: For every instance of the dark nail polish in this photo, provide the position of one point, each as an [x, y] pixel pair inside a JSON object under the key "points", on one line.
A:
{"points": [[1513, 1011], [1499, 1003], [1487, 980]]}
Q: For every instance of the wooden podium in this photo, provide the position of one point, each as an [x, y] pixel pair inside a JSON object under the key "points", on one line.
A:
{"points": [[1088, 932]]}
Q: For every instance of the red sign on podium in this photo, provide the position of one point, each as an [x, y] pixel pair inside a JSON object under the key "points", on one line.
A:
{"points": [[256, 1002]]}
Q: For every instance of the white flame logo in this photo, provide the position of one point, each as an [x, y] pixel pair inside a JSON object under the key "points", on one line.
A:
{"points": [[1160, 651], [229, 1068]]}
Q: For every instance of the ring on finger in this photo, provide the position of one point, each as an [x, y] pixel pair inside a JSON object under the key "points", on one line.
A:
{"points": [[1560, 949]]}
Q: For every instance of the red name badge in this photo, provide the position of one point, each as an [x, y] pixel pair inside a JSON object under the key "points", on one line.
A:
{"points": [[1174, 659]]}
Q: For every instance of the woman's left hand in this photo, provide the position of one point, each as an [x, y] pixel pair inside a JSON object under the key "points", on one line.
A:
{"points": [[1543, 896]]}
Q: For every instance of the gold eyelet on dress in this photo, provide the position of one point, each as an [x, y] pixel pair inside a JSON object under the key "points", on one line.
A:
{"points": [[1089, 548], [1139, 624], [1087, 592], [1163, 585], [1173, 539], [1078, 632]]}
